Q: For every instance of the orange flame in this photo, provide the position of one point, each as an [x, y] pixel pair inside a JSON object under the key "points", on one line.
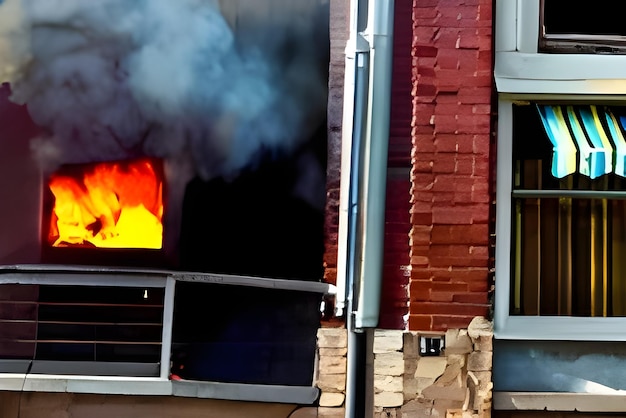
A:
{"points": [[108, 205]]}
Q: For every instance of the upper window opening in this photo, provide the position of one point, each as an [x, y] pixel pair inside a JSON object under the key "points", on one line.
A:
{"points": [[578, 27]]}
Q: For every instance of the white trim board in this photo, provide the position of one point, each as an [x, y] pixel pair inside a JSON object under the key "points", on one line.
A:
{"points": [[303, 395]]}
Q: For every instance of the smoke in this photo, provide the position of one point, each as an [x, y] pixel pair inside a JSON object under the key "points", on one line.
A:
{"points": [[116, 79]]}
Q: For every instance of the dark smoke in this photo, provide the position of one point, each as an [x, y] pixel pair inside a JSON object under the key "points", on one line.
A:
{"points": [[115, 79]]}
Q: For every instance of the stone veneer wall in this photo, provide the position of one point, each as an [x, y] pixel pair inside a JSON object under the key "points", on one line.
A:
{"points": [[332, 346], [456, 384]]}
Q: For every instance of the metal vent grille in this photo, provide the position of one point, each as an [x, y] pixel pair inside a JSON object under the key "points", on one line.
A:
{"points": [[87, 328]]}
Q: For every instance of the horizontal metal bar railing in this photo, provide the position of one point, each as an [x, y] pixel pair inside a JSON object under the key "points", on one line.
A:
{"points": [[54, 275]]}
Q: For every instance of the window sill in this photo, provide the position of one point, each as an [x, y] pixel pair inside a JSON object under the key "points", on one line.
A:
{"points": [[302, 395], [559, 328], [551, 401], [517, 72]]}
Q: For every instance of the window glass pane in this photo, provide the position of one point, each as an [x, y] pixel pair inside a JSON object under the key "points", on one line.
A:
{"points": [[578, 17], [569, 203], [575, 27]]}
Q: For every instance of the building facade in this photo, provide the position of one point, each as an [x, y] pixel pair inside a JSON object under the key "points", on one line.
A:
{"points": [[501, 282], [514, 170]]}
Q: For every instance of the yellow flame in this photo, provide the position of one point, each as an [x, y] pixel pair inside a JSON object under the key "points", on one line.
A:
{"points": [[108, 205]]}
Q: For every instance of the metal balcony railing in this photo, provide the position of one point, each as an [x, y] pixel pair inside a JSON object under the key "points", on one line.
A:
{"points": [[106, 323]]}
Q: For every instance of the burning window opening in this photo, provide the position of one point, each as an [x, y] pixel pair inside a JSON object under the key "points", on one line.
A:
{"points": [[107, 205], [265, 69]]}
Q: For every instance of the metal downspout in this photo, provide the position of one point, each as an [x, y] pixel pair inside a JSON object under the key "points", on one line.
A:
{"points": [[364, 171], [379, 34], [355, 360], [354, 116], [354, 45]]}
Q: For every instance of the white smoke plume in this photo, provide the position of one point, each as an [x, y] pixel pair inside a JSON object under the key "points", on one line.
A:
{"points": [[115, 79]]}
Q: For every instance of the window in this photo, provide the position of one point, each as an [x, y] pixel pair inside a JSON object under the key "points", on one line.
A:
{"points": [[569, 210], [552, 46], [576, 27], [561, 220], [559, 316]]}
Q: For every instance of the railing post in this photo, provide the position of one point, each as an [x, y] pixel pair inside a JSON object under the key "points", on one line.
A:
{"points": [[168, 317]]}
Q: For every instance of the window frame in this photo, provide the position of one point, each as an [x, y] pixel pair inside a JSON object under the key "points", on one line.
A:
{"points": [[507, 326], [521, 73], [520, 68]]}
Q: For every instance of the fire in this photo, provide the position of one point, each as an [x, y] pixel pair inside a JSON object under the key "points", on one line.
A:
{"points": [[107, 205]]}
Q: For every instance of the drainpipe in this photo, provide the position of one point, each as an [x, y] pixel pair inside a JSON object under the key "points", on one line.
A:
{"points": [[365, 174], [363, 185], [355, 46], [379, 34], [354, 116], [355, 382]]}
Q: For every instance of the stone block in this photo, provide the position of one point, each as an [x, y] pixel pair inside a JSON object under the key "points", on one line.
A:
{"points": [[451, 374], [389, 364], [387, 413], [459, 413], [483, 344], [388, 384], [480, 327], [484, 379], [332, 338], [460, 359], [332, 365], [441, 406], [481, 400], [480, 361], [431, 367], [386, 341], [331, 382], [333, 352], [417, 408], [388, 399], [410, 366], [325, 412], [410, 345], [458, 342], [409, 388], [330, 399], [446, 393], [482, 396], [422, 383]]}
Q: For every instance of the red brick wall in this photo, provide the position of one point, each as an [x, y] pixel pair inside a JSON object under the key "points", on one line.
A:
{"points": [[451, 131], [394, 292]]}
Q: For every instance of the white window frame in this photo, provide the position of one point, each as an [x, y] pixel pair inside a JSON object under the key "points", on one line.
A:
{"points": [[161, 385], [519, 68], [508, 326], [521, 73]]}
